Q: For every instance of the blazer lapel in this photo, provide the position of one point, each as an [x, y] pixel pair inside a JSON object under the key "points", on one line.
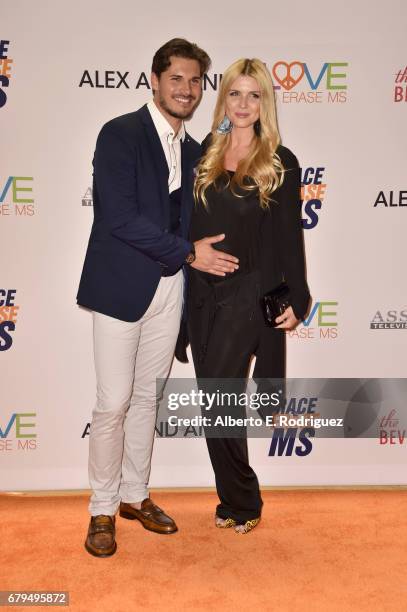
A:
{"points": [[158, 156], [186, 187]]}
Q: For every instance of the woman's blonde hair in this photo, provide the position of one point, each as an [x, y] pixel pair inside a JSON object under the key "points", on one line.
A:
{"points": [[262, 164]]}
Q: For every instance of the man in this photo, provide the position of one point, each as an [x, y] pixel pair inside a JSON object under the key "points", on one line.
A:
{"points": [[132, 280]]}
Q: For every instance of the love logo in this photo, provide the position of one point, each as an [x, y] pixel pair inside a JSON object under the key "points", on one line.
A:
{"points": [[288, 75]]}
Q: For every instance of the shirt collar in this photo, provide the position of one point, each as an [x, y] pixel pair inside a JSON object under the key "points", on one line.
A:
{"points": [[162, 126]]}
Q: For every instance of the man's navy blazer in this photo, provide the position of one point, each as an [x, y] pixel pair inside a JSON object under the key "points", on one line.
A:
{"points": [[130, 245]]}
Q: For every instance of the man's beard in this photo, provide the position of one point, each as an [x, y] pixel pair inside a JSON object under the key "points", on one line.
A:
{"points": [[187, 114]]}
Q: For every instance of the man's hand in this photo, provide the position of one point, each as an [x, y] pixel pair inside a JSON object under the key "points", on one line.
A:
{"points": [[287, 320], [208, 259]]}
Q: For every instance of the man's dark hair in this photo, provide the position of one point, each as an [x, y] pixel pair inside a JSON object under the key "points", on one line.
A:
{"points": [[179, 47]]}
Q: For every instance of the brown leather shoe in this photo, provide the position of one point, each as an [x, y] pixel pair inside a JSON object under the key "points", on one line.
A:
{"points": [[150, 516], [101, 536]]}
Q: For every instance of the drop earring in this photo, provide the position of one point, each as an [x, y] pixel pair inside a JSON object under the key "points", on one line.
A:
{"points": [[225, 126]]}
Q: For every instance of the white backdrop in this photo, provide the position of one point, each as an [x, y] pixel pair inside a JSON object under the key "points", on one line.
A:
{"points": [[355, 251]]}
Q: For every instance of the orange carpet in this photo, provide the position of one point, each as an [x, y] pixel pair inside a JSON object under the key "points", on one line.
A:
{"points": [[313, 551]]}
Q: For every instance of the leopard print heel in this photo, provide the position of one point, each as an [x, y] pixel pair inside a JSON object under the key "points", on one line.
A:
{"points": [[221, 523], [248, 526]]}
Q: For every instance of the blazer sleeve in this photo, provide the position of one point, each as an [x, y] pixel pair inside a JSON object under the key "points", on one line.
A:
{"points": [[291, 234], [115, 176]]}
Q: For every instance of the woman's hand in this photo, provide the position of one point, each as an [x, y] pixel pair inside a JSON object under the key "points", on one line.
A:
{"points": [[208, 259], [287, 320]]}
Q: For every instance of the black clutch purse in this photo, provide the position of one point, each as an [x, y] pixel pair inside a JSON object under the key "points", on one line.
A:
{"points": [[275, 302]]}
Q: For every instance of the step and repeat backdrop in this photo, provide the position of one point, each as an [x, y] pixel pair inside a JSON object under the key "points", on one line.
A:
{"points": [[340, 78]]}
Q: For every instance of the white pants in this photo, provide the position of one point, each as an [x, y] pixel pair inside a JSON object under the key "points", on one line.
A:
{"points": [[129, 357]]}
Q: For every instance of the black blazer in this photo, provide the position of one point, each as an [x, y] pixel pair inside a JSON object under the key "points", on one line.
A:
{"points": [[130, 246], [282, 244]]}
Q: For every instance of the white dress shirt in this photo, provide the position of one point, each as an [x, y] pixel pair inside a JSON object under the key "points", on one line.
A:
{"points": [[171, 144]]}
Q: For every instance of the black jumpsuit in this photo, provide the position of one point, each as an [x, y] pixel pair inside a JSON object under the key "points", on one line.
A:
{"points": [[226, 328]]}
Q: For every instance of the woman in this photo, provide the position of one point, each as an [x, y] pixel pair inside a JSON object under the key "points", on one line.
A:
{"points": [[247, 187]]}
